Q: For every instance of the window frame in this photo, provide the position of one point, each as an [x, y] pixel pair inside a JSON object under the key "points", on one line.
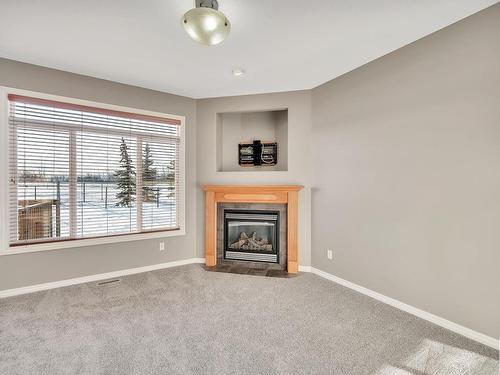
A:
{"points": [[7, 249]]}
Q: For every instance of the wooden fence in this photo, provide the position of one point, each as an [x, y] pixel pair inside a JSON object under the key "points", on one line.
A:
{"points": [[36, 219]]}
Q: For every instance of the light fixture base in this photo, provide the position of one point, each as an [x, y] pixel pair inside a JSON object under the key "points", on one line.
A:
{"points": [[213, 4]]}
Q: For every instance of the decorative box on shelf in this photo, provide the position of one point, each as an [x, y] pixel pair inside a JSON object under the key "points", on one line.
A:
{"points": [[258, 153]]}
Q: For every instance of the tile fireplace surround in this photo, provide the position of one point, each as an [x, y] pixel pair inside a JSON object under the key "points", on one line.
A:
{"points": [[265, 194]]}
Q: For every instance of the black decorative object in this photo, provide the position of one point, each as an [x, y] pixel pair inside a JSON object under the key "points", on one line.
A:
{"points": [[258, 153]]}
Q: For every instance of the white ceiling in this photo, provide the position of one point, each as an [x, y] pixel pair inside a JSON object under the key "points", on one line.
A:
{"points": [[283, 45]]}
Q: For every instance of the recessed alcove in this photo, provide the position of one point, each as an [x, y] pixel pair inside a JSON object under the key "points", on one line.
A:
{"points": [[234, 128]]}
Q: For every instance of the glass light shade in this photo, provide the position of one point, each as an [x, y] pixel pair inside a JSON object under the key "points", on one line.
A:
{"points": [[206, 25]]}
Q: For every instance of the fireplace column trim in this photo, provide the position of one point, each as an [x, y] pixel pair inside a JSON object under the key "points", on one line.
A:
{"points": [[279, 194]]}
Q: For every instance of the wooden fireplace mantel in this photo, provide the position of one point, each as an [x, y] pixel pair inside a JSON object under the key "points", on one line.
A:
{"points": [[278, 194]]}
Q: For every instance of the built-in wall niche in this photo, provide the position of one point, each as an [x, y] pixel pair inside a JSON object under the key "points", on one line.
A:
{"points": [[245, 127]]}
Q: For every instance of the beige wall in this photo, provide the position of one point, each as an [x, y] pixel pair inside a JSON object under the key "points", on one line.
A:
{"points": [[34, 268], [406, 181], [299, 161]]}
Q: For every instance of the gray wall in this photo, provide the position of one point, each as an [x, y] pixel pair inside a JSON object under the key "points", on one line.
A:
{"points": [[299, 161], [34, 268], [406, 181]]}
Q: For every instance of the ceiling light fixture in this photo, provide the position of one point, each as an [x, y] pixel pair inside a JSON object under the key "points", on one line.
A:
{"points": [[205, 23], [238, 72]]}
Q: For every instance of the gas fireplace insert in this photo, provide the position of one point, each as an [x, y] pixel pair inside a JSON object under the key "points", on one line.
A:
{"points": [[251, 235]]}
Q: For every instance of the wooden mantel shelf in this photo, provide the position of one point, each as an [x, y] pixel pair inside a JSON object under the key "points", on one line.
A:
{"points": [[252, 188], [278, 194]]}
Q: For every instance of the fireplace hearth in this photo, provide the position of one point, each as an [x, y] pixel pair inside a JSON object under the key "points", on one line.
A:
{"points": [[251, 235]]}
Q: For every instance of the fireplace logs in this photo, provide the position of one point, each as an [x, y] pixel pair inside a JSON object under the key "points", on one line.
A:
{"points": [[251, 243]]}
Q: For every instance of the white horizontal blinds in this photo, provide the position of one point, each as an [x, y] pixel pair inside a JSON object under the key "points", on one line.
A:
{"points": [[39, 171], [160, 171], [106, 184], [96, 172]]}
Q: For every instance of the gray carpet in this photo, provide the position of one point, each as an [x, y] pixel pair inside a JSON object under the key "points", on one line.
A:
{"points": [[188, 321]]}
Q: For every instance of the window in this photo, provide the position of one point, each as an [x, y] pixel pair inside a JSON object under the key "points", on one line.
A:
{"points": [[78, 172]]}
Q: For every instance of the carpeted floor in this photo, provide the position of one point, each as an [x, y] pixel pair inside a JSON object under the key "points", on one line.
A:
{"points": [[185, 320]]}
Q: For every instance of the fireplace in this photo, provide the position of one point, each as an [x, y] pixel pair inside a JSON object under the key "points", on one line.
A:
{"points": [[282, 199], [251, 235]]}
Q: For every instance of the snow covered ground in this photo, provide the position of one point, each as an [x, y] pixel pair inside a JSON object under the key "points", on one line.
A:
{"points": [[97, 215]]}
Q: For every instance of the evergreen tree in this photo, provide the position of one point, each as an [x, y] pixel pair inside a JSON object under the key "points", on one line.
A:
{"points": [[126, 178], [170, 176], [149, 175], [171, 172]]}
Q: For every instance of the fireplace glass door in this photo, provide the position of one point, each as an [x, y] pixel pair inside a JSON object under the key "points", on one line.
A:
{"points": [[251, 235]]}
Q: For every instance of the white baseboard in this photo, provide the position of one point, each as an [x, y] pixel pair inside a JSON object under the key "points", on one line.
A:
{"points": [[92, 278], [304, 268], [454, 327]]}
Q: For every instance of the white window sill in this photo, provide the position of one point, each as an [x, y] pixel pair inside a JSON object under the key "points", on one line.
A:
{"points": [[21, 249]]}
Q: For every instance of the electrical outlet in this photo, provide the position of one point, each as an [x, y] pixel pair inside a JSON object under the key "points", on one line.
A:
{"points": [[162, 246], [329, 254]]}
